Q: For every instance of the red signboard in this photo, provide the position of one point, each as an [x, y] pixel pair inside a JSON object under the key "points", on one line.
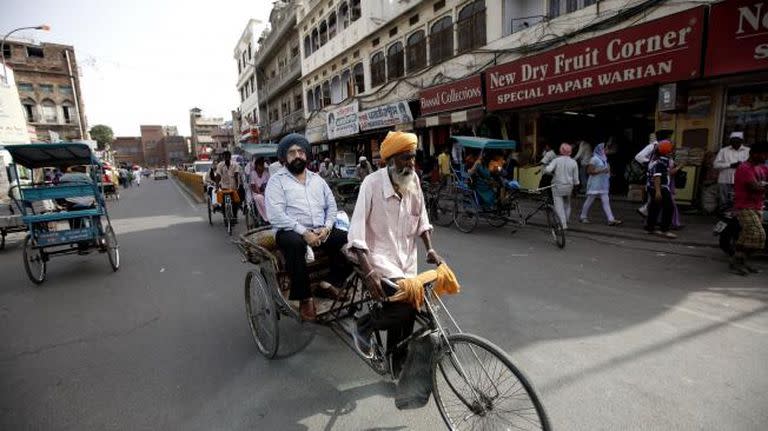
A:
{"points": [[660, 51], [452, 96], [738, 37]]}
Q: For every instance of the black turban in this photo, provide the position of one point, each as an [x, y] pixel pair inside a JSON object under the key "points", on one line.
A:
{"points": [[290, 140]]}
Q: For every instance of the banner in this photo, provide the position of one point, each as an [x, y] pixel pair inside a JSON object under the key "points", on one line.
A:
{"points": [[385, 116], [660, 51], [453, 96], [738, 37], [343, 121]]}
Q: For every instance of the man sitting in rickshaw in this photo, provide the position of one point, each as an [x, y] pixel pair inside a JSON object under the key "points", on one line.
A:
{"points": [[389, 217], [483, 182], [301, 206]]}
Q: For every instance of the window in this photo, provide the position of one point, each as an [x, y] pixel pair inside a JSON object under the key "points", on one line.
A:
{"points": [[25, 87], [66, 110], [441, 40], [298, 102], [438, 5], [239, 67], [326, 93], [7, 51], [33, 51], [310, 101], [323, 33], [49, 112], [346, 85], [554, 8], [307, 47], [414, 19], [358, 75], [315, 40], [46, 88], [30, 109], [471, 26], [559, 7], [336, 90], [65, 89], [395, 61], [354, 10], [416, 51], [332, 25], [571, 6], [344, 15], [249, 51], [318, 98], [378, 69], [392, 31]]}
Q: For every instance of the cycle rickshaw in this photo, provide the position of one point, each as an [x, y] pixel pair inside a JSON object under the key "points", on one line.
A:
{"points": [[473, 381], [251, 213], [468, 207], [76, 227]]}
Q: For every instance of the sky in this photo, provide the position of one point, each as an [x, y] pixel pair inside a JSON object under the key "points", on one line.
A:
{"points": [[145, 61]]}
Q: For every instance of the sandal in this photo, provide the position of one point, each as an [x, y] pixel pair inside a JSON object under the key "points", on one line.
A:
{"points": [[615, 223]]}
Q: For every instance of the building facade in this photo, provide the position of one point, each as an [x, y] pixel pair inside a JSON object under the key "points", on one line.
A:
{"points": [[247, 116], [153, 145], [202, 129], [277, 63], [128, 150], [48, 80]]}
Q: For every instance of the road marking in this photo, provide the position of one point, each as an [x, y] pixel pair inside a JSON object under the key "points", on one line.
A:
{"points": [[718, 319], [184, 194]]}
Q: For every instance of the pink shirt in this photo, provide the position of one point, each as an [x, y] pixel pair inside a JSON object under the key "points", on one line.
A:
{"points": [[388, 226], [744, 197]]}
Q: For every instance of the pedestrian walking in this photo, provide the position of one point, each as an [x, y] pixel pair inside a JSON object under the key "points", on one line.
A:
{"points": [[750, 182], [598, 186], [137, 177], [728, 159], [565, 175], [658, 188], [584, 157], [363, 168], [643, 158]]}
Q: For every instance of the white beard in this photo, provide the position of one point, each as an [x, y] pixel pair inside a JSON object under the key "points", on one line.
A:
{"points": [[405, 183]]}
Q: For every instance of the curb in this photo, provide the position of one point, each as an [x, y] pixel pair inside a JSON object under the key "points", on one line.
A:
{"points": [[186, 190], [636, 237]]}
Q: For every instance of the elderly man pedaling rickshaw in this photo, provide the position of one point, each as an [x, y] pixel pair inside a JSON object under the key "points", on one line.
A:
{"points": [[389, 217]]}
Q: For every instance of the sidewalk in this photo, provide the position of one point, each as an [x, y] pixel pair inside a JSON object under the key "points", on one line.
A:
{"points": [[696, 231]]}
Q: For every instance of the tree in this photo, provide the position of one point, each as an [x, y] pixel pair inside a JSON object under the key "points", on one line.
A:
{"points": [[103, 135]]}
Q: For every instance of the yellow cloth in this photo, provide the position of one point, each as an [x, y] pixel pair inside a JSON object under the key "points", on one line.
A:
{"points": [[412, 289], [444, 161], [398, 142]]}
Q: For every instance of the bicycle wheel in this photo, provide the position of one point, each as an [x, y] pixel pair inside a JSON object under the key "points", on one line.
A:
{"points": [[443, 204], [476, 386], [210, 211], [555, 227], [466, 213], [34, 261], [261, 313], [113, 252], [499, 217]]}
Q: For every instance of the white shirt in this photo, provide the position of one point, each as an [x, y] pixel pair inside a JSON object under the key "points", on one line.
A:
{"points": [[566, 175], [228, 174], [584, 155], [644, 156], [388, 226], [274, 168], [548, 157], [725, 158]]}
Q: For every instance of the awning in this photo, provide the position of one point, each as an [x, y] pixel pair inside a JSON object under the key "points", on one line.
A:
{"points": [[448, 118]]}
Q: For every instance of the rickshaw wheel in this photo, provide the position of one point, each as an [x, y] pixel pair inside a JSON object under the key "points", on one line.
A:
{"points": [[113, 251], [443, 207], [34, 261], [475, 383], [555, 228], [466, 213], [210, 212], [261, 313]]}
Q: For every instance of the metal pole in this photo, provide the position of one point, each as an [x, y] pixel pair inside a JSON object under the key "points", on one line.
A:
{"points": [[80, 119]]}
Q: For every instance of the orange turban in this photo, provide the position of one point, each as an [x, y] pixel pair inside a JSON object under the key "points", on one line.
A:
{"points": [[666, 147], [398, 142]]}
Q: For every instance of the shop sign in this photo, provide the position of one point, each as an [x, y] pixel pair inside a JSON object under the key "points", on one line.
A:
{"points": [[343, 121], [660, 51], [738, 37], [452, 96], [385, 116], [316, 134]]}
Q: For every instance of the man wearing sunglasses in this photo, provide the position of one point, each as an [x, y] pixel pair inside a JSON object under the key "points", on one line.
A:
{"points": [[389, 218]]}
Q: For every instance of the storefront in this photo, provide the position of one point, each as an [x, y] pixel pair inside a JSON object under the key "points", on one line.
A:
{"points": [[452, 108], [603, 89]]}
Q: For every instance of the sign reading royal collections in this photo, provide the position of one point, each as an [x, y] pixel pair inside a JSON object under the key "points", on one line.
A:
{"points": [[738, 37], [660, 51], [343, 121], [385, 116], [452, 96]]}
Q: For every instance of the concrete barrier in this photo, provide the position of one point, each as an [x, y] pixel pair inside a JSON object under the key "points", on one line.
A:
{"points": [[193, 183]]}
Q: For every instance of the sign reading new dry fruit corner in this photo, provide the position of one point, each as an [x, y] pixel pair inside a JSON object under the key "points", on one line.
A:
{"points": [[660, 51], [738, 37], [452, 96]]}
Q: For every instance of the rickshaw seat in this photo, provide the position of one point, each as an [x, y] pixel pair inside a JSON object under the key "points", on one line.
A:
{"points": [[31, 194], [63, 215], [267, 239]]}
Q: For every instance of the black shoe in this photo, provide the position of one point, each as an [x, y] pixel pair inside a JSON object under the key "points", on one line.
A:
{"points": [[751, 269], [738, 269]]}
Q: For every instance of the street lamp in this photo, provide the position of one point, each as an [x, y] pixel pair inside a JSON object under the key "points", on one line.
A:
{"points": [[43, 27]]}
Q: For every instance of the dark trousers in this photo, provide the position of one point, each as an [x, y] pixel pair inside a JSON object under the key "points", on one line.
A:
{"points": [[397, 318], [665, 207], [294, 250]]}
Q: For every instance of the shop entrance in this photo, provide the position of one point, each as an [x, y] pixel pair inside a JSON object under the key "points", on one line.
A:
{"points": [[625, 127]]}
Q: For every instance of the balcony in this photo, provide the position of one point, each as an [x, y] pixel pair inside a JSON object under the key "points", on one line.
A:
{"points": [[291, 123], [286, 76], [276, 36]]}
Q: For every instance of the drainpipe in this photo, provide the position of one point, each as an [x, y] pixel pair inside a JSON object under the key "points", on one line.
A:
{"points": [[80, 119]]}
